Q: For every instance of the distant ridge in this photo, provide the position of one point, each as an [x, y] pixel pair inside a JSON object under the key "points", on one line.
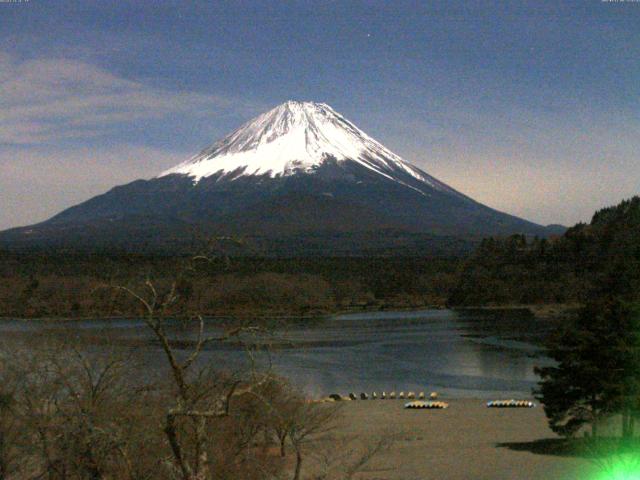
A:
{"points": [[300, 177]]}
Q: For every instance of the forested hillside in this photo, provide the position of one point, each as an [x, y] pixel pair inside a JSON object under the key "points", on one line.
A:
{"points": [[515, 270], [502, 271], [63, 285]]}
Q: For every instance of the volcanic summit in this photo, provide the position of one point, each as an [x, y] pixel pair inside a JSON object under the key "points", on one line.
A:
{"points": [[300, 176]]}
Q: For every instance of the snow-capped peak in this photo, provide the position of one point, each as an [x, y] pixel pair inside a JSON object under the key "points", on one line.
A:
{"points": [[296, 137]]}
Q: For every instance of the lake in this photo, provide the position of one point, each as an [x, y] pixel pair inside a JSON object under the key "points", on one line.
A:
{"points": [[465, 353]]}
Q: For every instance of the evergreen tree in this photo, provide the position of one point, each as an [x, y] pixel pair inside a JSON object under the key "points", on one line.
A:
{"points": [[598, 368]]}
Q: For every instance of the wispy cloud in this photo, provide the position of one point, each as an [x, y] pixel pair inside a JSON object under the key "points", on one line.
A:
{"points": [[49, 100], [63, 132], [38, 182]]}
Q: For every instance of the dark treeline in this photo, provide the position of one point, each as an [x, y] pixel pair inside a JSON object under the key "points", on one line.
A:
{"points": [[507, 271], [565, 269], [77, 285], [596, 375]]}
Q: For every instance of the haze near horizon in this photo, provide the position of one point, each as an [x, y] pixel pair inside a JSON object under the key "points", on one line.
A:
{"points": [[528, 108]]}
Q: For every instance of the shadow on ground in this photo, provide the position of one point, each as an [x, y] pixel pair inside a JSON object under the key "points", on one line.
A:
{"points": [[578, 448], [559, 447]]}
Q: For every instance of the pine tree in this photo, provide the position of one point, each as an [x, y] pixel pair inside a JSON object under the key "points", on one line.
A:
{"points": [[598, 368]]}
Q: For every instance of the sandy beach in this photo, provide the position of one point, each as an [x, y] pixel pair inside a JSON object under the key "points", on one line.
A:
{"points": [[465, 441]]}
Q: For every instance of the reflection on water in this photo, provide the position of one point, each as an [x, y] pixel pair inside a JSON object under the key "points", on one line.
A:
{"points": [[458, 353], [462, 354]]}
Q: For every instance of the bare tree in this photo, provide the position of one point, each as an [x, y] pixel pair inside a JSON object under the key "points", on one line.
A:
{"points": [[78, 406], [343, 458], [80, 412], [304, 422], [197, 404]]}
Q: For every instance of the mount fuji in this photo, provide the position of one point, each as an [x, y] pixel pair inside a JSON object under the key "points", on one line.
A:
{"points": [[298, 178]]}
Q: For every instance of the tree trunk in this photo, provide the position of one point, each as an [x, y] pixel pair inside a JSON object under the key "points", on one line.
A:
{"points": [[172, 436], [3, 463], [626, 424], [296, 474], [202, 470]]}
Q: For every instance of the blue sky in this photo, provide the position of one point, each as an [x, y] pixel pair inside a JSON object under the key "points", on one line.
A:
{"points": [[530, 107]]}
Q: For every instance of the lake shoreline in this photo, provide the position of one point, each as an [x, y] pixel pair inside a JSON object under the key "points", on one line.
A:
{"points": [[542, 311], [456, 353]]}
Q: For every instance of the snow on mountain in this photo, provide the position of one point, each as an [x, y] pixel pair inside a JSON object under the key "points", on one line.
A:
{"points": [[297, 137], [297, 180]]}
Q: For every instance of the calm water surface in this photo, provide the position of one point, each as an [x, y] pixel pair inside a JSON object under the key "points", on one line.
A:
{"points": [[458, 353]]}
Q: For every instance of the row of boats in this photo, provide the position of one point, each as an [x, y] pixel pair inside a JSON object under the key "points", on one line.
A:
{"points": [[419, 404], [510, 404], [420, 401], [384, 396], [492, 404]]}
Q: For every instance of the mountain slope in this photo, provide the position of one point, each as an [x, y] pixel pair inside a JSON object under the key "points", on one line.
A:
{"points": [[297, 137], [300, 169]]}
